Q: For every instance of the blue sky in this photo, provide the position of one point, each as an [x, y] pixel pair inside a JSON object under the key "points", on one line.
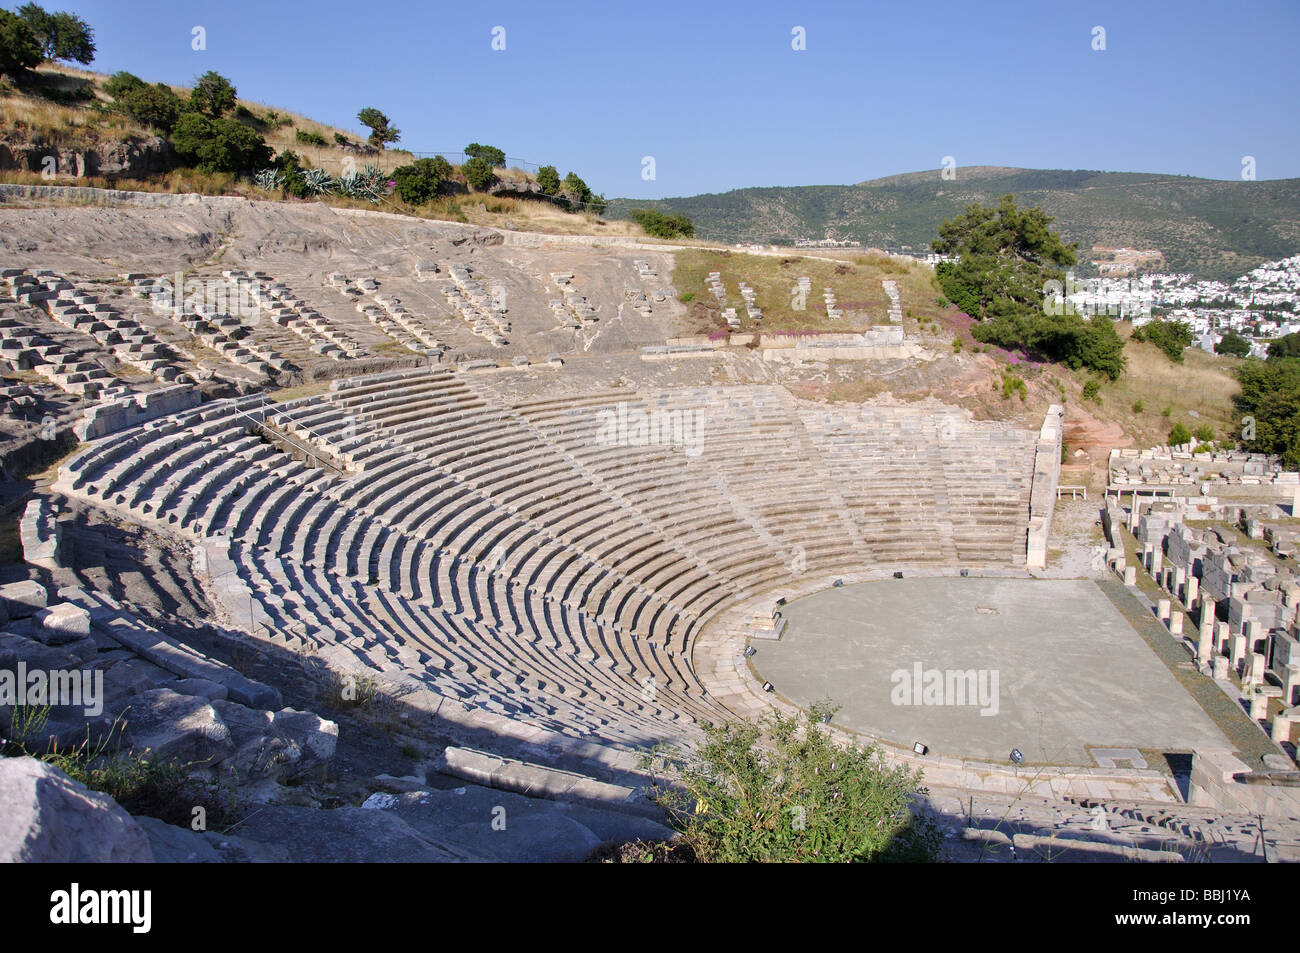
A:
{"points": [[715, 93]]}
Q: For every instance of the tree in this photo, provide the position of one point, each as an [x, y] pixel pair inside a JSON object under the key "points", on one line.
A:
{"points": [[213, 95], [421, 180], [155, 105], [218, 145], [60, 36], [1270, 397], [381, 130], [549, 179], [478, 173], [1233, 344], [1005, 259], [1179, 435], [799, 797], [19, 48], [491, 154]]}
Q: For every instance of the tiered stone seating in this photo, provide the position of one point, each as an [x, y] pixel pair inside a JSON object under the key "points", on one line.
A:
{"points": [[522, 556]]}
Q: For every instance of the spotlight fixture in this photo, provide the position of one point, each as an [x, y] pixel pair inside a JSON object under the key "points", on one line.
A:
{"points": [[920, 748], [1016, 756], [749, 651], [767, 687], [965, 572], [781, 601], [826, 719], [837, 583], [898, 575]]}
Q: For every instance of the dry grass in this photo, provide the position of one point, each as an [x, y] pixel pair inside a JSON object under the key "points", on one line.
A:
{"points": [[1204, 383], [855, 283]]}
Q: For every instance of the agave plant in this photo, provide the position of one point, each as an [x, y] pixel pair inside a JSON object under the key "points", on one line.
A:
{"points": [[318, 181], [370, 184], [269, 179]]}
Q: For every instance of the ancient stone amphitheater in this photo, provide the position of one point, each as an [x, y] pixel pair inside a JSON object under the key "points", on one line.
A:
{"points": [[510, 558]]}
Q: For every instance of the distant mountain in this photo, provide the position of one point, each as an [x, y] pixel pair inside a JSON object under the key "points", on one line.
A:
{"points": [[1216, 229]]}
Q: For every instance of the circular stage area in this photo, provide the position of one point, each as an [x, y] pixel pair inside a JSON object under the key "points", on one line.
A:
{"points": [[974, 667]]}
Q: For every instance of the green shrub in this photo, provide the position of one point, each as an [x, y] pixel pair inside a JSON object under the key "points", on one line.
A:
{"points": [[687, 296], [1091, 389], [1179, 435], [479, 174], [1172, 337], [797, 798], [213, 95], [155, 105], [1204, 433], [956, 345], [121, 83], [308, 138], [341, 140], [1168, 411], [219, 145], [663, 226], [548, 179], [1138, 406], [1013, 384], [421, 180]]}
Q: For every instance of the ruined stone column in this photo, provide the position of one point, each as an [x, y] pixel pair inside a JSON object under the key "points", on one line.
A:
{"points": [[1204, 646]]}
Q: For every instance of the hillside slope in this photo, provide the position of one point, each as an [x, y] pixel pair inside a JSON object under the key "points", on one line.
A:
{"points": [[1214, 228]]}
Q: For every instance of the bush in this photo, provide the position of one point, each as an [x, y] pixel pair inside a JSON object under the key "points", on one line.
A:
{"points": [[1013, 384], [341, 140], [1179, 435], [421, 180], [663, 226], [1067, 338], [493, 156], [800, 797], [309, 138], [213, 95], [1167, 412], [549, 179], [121, 83], [478, 173], [1204, 433], [155, 105], [1138, 406], [956, 345], [686, 297], [291, 173], [1172, 337], [218, 145], [1091, 390]]}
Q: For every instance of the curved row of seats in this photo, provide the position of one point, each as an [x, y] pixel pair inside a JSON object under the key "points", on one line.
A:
{"points": [[512, 554]]}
